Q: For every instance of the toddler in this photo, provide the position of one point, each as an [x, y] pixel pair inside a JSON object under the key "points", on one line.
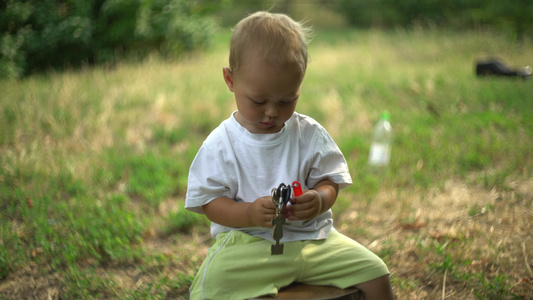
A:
{"points": [[262, 144]]}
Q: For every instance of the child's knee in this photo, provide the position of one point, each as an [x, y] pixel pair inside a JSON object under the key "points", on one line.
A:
{"points": [[377, 288]]}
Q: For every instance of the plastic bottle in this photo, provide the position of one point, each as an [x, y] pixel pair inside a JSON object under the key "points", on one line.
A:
{"points": [[380, 149]]}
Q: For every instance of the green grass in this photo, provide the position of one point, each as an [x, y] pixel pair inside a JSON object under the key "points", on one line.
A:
{"points": [[94, 163]]}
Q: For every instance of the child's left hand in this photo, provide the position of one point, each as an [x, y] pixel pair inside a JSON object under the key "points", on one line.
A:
{"points": [[305, 207]]}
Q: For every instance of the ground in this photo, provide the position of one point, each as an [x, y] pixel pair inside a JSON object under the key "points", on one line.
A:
{"points": [[488, 230]]}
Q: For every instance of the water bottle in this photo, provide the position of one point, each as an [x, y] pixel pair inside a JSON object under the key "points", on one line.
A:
{"points": [[380, 149]]}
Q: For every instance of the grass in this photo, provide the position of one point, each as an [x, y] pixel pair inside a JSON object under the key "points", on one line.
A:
{"points": [[94, 163]]}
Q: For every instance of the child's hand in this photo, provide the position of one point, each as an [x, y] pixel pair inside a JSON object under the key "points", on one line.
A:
{"points": [[262, 211], [305, 207]]}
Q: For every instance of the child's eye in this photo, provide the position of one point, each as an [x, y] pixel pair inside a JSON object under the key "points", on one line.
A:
{"points": [[256, 102], [287, 102]]}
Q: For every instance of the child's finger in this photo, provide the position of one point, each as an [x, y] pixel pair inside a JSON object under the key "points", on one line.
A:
{"points": [[305, 214]]}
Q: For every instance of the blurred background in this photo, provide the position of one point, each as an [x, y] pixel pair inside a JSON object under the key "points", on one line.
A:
{"points": [[105, 103], [37, 35]]}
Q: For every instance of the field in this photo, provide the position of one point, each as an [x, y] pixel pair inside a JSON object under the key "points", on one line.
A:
{"points": [[94, 163]]}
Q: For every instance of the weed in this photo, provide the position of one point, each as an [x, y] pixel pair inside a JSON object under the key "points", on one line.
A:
{"points": [[477, 210], [485, 288], [446, 263]]}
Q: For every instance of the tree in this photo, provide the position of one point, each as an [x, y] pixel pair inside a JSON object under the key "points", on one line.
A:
{"points": [[40, 34], [515, 16]]}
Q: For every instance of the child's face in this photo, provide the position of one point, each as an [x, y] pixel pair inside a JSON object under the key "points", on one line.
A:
{"points": [[266, 95]]}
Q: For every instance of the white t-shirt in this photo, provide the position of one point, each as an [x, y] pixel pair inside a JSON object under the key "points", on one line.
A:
{"points": [[243, 166]]}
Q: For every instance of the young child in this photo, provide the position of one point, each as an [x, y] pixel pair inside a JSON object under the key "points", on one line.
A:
{"points": [[261, 145]]}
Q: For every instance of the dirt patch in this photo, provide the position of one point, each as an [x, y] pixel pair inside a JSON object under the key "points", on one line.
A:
{"points": [[31, 282]]}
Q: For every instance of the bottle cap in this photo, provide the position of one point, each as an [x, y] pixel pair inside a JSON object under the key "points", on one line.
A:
{"points": [[385, 115]]}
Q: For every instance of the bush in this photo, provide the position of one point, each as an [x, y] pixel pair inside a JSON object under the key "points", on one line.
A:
{"points": [[512, 16], [40, 34]]}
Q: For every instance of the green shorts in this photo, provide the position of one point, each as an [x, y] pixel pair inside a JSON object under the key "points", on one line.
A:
{"points": [[239, 266]]}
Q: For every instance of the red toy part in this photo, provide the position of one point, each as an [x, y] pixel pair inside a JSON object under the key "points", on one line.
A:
{"points": [[297, 188]]}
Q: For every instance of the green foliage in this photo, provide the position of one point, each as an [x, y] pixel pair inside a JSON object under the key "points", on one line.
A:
{"points": [[37, 35], [84, 283], [514, 16], [446, 263], [162, 135], [183, 221], [148, 177], [490, 288], [64, 225], [449, 258]]}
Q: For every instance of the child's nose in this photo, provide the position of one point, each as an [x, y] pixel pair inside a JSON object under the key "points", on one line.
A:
{"points": [[272, 111]]}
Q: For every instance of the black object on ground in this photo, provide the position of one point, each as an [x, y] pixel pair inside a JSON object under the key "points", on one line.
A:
{"points": [[495, 67]]}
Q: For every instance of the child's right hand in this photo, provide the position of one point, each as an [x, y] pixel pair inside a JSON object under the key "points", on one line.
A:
{"points": [[262, 211]]}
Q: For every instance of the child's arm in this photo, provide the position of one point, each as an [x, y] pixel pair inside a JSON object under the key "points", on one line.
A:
{"points": [[228, 212], [315, 201]]}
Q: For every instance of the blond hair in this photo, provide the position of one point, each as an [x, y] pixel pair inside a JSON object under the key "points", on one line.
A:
{"points": [[275, 37]]}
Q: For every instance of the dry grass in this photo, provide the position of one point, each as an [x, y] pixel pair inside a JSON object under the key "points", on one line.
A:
{"points": [[483, 232]]}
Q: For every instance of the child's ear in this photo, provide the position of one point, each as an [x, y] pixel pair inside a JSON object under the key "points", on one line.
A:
{"points": [[228, 77]]}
